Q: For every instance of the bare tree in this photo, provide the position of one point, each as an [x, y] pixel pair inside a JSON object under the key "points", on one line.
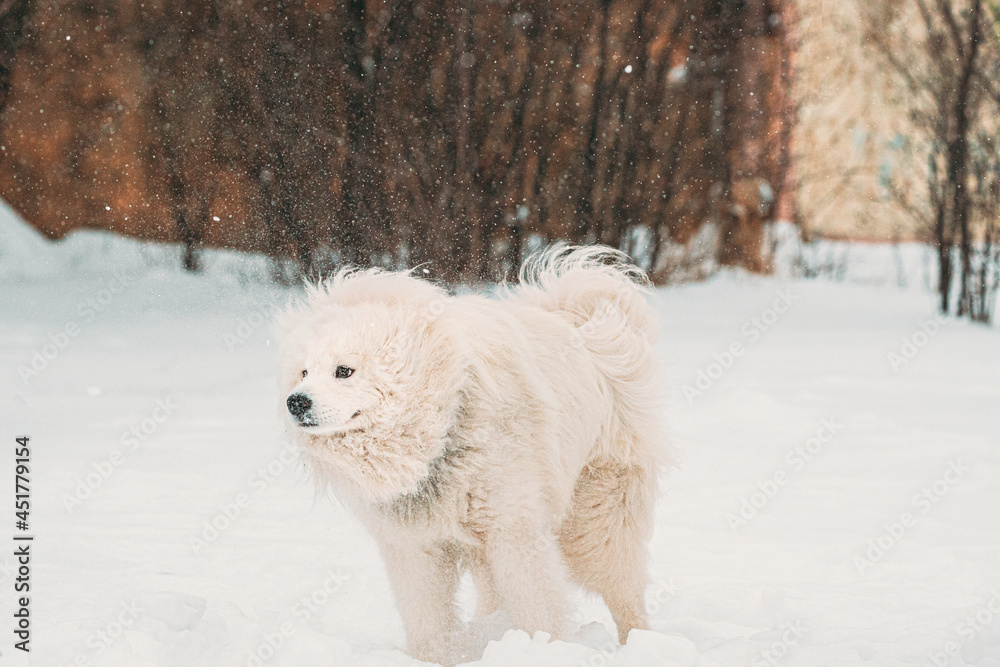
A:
{"points": [[944, 59]]}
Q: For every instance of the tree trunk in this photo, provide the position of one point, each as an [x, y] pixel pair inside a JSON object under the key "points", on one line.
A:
{"points": [[359, 181], [13, 17], [959, 167]]}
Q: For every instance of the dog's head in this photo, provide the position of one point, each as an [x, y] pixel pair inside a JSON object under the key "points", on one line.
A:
{"points": [[368, 374], [338, 367]]}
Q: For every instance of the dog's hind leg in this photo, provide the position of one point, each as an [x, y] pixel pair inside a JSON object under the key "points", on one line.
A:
{"points": [[605, 537], [487, 600]]}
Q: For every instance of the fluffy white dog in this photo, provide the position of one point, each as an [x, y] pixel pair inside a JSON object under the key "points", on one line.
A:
{"points": [[516, 438]]}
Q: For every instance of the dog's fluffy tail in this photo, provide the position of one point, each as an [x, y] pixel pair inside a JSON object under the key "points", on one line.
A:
{"points": [[593, 285], [604, 296]]}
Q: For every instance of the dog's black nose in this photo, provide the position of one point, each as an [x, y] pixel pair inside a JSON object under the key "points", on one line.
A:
{"points": [[298, 404]]}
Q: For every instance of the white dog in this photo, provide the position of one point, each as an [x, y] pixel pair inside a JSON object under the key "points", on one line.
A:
{"points": [[516, 438]]}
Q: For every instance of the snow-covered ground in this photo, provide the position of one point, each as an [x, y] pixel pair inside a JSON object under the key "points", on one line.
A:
{"points": [[836, 499]]}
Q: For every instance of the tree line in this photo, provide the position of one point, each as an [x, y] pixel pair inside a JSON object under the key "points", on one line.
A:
{"points": [[459, 133]]}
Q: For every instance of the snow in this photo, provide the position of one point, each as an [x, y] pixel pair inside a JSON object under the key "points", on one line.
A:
{"points": [[158, 418], [24, 253]]}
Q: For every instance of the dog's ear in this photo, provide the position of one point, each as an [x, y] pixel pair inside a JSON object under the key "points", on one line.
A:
{"points": [[443, 348], [290, 318], [428, 344]]}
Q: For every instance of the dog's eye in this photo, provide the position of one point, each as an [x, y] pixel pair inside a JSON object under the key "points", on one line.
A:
{"points": [[305, 373], [343, 372]]}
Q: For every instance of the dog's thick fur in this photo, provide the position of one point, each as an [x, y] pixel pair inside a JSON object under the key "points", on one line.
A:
{"points": [[516, 438]]}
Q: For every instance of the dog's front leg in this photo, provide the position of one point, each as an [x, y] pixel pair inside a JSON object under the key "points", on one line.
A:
{"points": [[529, 575], [424, 580]]}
